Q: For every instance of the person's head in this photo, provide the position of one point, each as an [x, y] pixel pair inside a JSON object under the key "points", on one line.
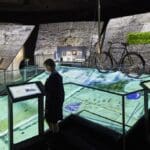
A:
{"points": [[49, 65]]}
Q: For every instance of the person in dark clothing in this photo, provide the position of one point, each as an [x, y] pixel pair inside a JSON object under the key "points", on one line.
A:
{"points": [[54, 91]]}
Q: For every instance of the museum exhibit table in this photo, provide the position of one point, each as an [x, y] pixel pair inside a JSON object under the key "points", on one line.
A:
{"points": [[112, 100]]}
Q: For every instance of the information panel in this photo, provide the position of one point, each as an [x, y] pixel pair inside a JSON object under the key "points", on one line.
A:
{"points": [[24, 90]]}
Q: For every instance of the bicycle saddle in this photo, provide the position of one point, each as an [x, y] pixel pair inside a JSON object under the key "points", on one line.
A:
{"points": [[125, 44], [122, 43]]}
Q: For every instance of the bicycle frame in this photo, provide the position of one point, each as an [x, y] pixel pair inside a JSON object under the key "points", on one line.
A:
{"points": [[118, 64]]}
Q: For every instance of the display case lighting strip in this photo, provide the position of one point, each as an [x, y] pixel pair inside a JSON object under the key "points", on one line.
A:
{"points": [[102, 117]]}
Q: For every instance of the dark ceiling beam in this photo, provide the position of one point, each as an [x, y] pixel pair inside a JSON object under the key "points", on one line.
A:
{"points": [[45, 17], [37, 11], [49, 5]]}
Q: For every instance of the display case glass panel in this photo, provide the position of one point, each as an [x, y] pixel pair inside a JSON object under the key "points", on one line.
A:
{"points": [[25, 120], [87, 94]]}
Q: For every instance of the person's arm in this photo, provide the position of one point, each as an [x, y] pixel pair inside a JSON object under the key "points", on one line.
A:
{"points": [[57, 92]]}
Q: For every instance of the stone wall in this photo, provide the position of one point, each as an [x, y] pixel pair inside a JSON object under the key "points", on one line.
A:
{"points": [[63, 34], [86, 34], [119, 28], [12, 39]]}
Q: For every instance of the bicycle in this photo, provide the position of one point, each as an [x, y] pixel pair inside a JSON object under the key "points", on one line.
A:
{"points": [[130, 63]]}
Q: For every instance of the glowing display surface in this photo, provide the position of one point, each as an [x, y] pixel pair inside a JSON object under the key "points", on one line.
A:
{"points": [[83, 96], [24, 90]]}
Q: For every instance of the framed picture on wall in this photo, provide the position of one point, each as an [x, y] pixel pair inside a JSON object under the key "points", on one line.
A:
{"points": [[71, 53]]}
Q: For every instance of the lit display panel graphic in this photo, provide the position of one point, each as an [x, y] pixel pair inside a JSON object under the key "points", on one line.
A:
{"points": [[83, 96], [24, 90]]}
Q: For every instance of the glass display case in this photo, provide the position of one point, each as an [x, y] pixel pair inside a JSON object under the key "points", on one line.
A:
{"points": [[92, 95], [25, 119]]}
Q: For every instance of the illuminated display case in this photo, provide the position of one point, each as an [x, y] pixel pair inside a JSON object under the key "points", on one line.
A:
{"points": [[24, 92], [71, 53], [92, 95]]}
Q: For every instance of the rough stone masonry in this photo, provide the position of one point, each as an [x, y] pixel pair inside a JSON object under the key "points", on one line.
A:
{"points": [[86, 34]]}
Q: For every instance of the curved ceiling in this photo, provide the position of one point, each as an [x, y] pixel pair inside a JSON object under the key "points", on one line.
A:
{"points": [[68, 10]]}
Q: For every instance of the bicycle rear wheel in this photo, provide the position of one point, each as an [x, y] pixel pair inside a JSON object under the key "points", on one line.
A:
{"points": [[133, 65], [104, 62]]}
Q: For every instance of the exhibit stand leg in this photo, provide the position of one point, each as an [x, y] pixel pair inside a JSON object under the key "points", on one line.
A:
{"points": [[123, 123], [146, 114], [10, 124], [12, 146], [41, 116]]}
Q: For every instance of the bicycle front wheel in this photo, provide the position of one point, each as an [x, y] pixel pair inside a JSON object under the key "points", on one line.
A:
{"points": [[104, 62], [133, 65]]}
